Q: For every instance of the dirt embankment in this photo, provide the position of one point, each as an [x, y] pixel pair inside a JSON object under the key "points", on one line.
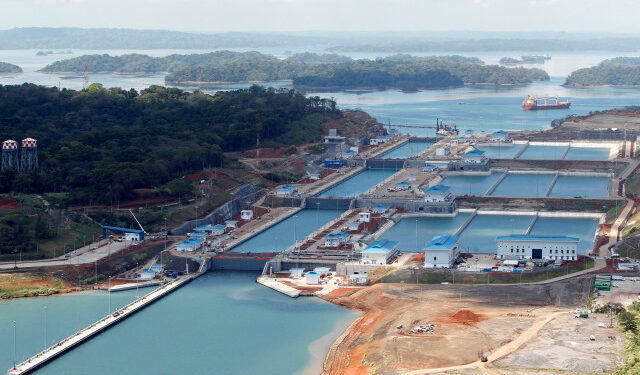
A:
{"points": [[469, 320]]}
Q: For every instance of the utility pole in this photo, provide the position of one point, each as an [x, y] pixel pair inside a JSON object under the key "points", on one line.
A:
{"points": [[45, 327], [14, 345]]}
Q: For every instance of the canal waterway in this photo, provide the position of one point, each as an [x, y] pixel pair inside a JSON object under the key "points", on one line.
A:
{"points": [[407, 150], [470, 184], [222, 320], [358, 184], [287, 232]]}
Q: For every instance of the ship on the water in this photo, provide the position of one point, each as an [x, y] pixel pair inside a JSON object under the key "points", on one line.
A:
{"points": [[532, 103]]}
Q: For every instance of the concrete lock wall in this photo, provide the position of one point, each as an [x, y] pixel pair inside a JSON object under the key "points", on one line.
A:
{"points": [[395, 164], [328, 203], [246, 195], [418, 205]]}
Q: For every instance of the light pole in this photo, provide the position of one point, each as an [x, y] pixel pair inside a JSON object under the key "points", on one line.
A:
{"points": [[45, 327], [14, 345], [109, 292]]}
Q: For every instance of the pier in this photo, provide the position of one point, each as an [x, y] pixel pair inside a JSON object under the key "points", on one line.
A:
{"points": [[95, 328]]}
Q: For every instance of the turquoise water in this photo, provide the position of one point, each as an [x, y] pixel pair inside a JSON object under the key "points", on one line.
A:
{"points": [[65, 314], [358, 184], [471, 185], [222, 322], [501, 152], [583, 228], [285, 233], [587, 153], [524, 185], [543, 152], [414, 233], [480, 235], [576, 186], [407, 150]]}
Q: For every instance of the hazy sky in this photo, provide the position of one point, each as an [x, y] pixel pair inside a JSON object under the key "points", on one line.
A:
{"points": [[294, 15]]}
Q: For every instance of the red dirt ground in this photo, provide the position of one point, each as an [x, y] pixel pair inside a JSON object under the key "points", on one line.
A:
{"points": [[9, 204]]}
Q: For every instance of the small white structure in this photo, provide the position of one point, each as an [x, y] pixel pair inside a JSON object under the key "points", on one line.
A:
{"points": [[379, 252], [524, 246], [312, 278], [442, 151], [402, 186], [296, 272], [499, 136], [349, 154], [474, 156], [336, 239], [157, 268], [215, 230], [287, 190], [246, 215], [627, 266], [428, 167], [131, 236], [412, 177], [441, 251], [453, 142], [365, 217], [192, 244], [352, 227], [437, 193], [147, 274], [314, 176], [218, 230], [359, 278], [233, 224], [462, 140], [322, 271], [354, 149], [380, 140], [380, 209]]}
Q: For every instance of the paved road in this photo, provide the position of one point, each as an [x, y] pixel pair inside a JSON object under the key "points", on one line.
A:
{"points": [[82, 255]]}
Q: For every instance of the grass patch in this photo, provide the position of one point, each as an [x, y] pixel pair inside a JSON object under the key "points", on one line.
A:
{"points": [[29, 285], [79, 233], [204, 207]]}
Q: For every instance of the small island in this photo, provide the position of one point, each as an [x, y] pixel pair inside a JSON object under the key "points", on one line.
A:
{"points": [[524, 60], [9, 68], [619, 71]]}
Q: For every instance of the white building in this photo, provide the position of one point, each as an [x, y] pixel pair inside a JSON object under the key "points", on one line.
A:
{"points": [[380, 140], [192, 244], [442, 151], [474, 156], [296, 272], [365, 217], [499, 136], [246, 214], [379, 252], [524, 246], [312, 278], [428, 167], [353, 226], [441, 251], [287, 190], [233, 224], [359, 279], [380, 209], [132, 236], [147, 274], [336, 239], [437, 193]]}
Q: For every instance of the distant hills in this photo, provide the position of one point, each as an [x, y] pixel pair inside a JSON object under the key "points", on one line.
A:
{"points": [[9, 68], [619, 71], [332, 41]]}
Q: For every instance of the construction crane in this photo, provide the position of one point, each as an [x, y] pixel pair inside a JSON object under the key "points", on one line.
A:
{"points": [[136, 219]]}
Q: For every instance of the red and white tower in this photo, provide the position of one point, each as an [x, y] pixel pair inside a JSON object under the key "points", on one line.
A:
{"points": [[29, 155], [10, 155]]}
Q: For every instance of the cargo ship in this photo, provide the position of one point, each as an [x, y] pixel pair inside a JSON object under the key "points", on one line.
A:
{"points": [[531, 103]]}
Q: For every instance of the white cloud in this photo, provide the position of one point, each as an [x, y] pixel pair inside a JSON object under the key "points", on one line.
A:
{"points": [[482, 3]]}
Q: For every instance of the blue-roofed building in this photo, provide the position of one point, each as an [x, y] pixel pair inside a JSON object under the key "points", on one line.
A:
{"points": [[197, 234], [474, 156], [215, 230], [312, 278], [380, 209], [191, 244], [158, 268], [232, 224], [442, 251], [499, 136], [525, 246], [336, 239], [287, 190], [129, 234], [380, 252], [349, 154], [428, 167], [437, 193], [147, 274]]}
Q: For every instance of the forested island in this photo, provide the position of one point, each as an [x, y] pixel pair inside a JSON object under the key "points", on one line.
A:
{"points": [[619, 71], [98, 145], [9, 68], [523, 60], [307, 70]]}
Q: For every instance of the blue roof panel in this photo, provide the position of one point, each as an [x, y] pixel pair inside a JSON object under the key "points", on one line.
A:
{"points": [[442, 242]]}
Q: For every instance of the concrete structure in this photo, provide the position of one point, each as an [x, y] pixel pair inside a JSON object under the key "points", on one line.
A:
{"points": [[336, 239], [359, 279], [499, 136], [349, 154], [287, 190], [352, 227], [442, 251], [379, 252], [312, 278], [192, 244], [314, 176], [380, 209], [380, 140], [233, 224], [322, 271], [474, 156], [627, 266], [443, 151], [437, 193], [334, 138], [296, 272], [246, 215], [365, 217], [402, 186], [524, 246], [428, 167]]}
